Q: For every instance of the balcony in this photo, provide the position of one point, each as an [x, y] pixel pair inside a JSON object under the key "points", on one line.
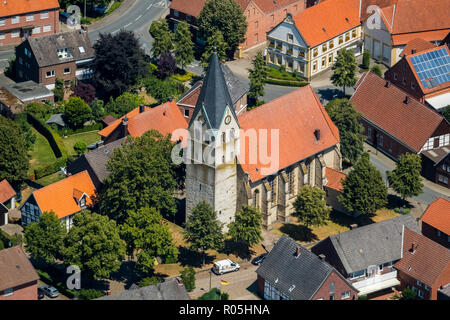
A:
{"points": [[376, 283]]}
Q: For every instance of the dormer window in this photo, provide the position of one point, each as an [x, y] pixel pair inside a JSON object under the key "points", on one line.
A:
{"points": [[81, 49], [63, 53], [83, 202]]}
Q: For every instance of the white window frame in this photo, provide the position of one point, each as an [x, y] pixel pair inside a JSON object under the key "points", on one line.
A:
{"points": [[8, 292], [29, 17], [36, 30], [2, 21], [47, 28], [418, 283], [15, 19], [52, 74], [44, 15], [345, 295], [2, 35], [15, 33]]}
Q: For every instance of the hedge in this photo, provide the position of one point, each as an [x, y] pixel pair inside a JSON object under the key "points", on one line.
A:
{"points": [[184, 77], [58, 147], [287, 83], [281, 74]]}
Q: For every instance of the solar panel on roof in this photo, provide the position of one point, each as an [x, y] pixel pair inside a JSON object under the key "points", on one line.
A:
{"points": [[434, 66]]}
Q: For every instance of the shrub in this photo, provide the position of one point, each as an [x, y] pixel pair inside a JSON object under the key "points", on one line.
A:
{"points": [[213, 294], [89, 294], [148, 281], [188, 277], [366, 60], [402, 210], [377, 70], [80, 147], [287, 83], [59, 89], [77, 112], [408, 294], [183, 77], [281, 74], [363, 297]]}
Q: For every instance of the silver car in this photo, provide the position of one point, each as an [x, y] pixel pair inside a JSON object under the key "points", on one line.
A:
{"points": [[49, 291]]}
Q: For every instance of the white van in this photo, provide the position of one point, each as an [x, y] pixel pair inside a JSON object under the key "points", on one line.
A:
{"points": [[224, 266]]}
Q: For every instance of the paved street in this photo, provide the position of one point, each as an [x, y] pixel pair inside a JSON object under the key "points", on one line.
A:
{"points": [[240, 285]]}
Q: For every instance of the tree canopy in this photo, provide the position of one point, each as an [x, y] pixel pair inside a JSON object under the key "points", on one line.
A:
{"points": [[85, 91], [364, 190], [76, 112], [184, 47], [310, 206], [258, 75], [123, 104], [344, 69], [246, 227], [163, 38], [215, 43]]}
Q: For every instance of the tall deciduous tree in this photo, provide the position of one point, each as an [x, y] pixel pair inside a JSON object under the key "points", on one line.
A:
{"points": [[405, 178], [85, 91], [76, 112], [364, 190], [123, 104], [214, 43], [203, 231], [44, 238], [246, 228], [258, 76], [310, 207], [142, 175], [184, 47], [14, 162], [346, 118], [118, 62], [344, 69], [93, 243], [225, 16], [166, 65], [162, 36]]}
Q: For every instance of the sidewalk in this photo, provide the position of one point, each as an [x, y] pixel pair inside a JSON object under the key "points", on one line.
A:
{"points": [[126, 4]]}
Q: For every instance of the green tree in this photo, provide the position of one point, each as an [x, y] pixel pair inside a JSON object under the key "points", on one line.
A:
{"points": [[93, 243], [188, 277], [364, 190], [40, 110], [408, 294], [98, 109], [44, 238], [377, 70], [203, 231], [366, 59], [142, 175], [344, 69], [162, 36], [246, 228], [346, 118], [14, 161], [76, 112], [214, 43], [145, 231], [405, 178], [258, 76], [59, 90], [310, 207], [446, 113], [123, 104], [225, 16], [184, 47], [80, 147]]}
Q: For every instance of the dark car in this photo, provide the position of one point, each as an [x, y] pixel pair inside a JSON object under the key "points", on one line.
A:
{"points": [[40, 293], [259, 259], [52, 292]]}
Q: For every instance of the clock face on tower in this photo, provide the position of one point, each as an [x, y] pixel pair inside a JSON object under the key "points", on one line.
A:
{"points": [[227, 120]]}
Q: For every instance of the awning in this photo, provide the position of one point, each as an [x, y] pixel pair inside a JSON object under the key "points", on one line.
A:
{"points": [[440, 101], [378, 286]]}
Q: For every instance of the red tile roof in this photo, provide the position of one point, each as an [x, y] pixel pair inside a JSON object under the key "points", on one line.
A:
{"points": [[191, 98], [417, 44], [334, 179], [16, 270], [296, 115], [384, 107], [15, 7], [329, 15], [268, 6], [164, 118], [6, 191], [428, 262], [109, 120], [109, 129], [59, 197], [191, 7], [400, 39], [437, 215]]}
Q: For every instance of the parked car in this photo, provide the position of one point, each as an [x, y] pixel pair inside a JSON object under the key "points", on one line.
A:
{"points": [[259, 259], [224, 266], [40, 293], [49, 291]]}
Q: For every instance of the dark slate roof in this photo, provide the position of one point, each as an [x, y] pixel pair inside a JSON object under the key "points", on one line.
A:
{"points": [[214, 95], [169, 290], [303, 275], [437, 155], [236, 87], [29, 90], [372, 244], [45, 47], [444, 293], [56, 118]]}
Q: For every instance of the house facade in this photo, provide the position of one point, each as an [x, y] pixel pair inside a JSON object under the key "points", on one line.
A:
{"points": [[62, 56], [436, 165], [23, 19], [436, 222], [307, 43]]}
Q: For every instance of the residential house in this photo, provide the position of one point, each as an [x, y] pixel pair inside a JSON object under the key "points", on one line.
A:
{"points": [[436, 222], [9, 104], [291, 272], [436, 165], [307, 43], [424, 266], [424, 75], [30, 91], [60, 56], [394, 121], [238, 91], [169, 290], [18, 278], [7, 200], [261, 17], [365, 255], [23, 19], [394, 23], [165, 118], [65, 198]]}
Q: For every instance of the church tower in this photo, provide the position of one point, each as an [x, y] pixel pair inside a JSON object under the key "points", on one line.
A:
{"points": [[211, 168]]}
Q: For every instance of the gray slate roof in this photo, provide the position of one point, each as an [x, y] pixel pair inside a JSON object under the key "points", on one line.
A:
{"points": [[214, 95], [45, 47], [236, 87], [169, 290], [372, 244], [56, 118], [304, 274]]}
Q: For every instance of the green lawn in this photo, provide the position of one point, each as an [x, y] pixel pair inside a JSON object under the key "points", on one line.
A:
{"points": [[42, 153], [87, 137], [45, 181]]}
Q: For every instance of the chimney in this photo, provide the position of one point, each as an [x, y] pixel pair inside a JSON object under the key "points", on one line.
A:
{"points": [[413, 51], [387, 84], [297, 252], [170, 99], [406, 101], [322, 257], [141, 108], [353, 226], [125, 127], [317, 134]]}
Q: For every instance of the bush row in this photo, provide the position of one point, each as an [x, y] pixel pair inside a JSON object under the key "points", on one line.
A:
{"points": [[183, 77], [287, 83], [281, 75], [58, 147]]}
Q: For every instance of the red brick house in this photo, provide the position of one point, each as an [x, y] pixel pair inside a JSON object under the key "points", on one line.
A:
{"points": [[18, 279], [424, 266], [436, 222], [261, 15], [291, 272], [22, 19], [436, 165], [394, 121], [430, 84]]}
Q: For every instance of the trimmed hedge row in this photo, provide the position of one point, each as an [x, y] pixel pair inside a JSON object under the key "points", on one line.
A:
{"points": [[287, 83], [58, 147]]}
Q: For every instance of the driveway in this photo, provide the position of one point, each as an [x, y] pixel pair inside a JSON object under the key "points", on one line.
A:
{"points": [[60, 297], [241, 284]]}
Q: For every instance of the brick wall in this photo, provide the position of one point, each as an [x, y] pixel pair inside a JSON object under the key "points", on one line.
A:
{"points": [[59, 71], [402, 76], [431, 233], [340, 286], [26, 291]]}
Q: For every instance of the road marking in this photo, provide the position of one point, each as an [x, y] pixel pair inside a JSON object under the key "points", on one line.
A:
{"points": [[115, 31], [138, 18], [127, 25], [149, 7]]}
